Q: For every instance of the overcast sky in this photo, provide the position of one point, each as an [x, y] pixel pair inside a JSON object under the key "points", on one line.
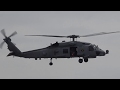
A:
{"points": [[60, 23]]}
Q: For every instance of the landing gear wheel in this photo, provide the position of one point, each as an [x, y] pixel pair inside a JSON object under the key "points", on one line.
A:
{"points": [[50, 63], [80, 60], [86, 60]]}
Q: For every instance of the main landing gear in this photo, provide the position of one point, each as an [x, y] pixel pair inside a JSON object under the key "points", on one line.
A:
{"points": [[81, 60]]}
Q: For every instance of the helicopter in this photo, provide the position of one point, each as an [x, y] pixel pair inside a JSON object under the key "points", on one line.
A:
{"points": [[70, 49]]}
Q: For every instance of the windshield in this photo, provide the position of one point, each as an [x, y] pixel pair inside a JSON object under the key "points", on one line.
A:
{"points": [[95, 46]]}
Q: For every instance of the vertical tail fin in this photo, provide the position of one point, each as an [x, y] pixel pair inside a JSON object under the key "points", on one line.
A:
{"points": [[12, 47]]}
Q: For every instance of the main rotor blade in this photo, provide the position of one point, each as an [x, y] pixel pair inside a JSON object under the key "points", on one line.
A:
{"points": [[1, 45], [3, 32], [47, 35], [101, 33], [14, 33]]}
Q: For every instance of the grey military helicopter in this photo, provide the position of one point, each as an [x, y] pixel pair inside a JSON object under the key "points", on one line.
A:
{"points": [[71, 49]]}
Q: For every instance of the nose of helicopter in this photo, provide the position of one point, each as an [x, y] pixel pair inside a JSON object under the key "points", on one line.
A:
{"points": [[100, 53]]}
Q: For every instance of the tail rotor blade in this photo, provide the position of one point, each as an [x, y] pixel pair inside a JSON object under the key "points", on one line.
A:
{"points": [[1, 45], [14, 33], [3, 32]]}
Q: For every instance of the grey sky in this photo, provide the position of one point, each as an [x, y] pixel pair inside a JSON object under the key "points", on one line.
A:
{"points": [[60, 23]]}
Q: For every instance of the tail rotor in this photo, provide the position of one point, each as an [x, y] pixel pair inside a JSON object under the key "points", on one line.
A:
{"points": [[6, 38]]}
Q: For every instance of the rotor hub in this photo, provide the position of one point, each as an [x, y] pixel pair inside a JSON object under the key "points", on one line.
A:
{"points": [[73, 37]]}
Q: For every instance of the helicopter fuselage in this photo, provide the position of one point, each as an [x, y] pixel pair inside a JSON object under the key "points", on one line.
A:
{"points": [[66, 50]]}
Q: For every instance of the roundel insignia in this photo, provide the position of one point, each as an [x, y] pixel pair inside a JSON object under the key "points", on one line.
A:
{"points": [[82, 50]]}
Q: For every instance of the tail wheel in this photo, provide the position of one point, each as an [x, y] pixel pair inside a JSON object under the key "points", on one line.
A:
{"points": [[50, 63]]}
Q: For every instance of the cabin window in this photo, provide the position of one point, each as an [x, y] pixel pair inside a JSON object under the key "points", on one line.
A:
{"points": [[65, 51]]}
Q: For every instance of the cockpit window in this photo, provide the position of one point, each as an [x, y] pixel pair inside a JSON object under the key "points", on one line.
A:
{"points": [[91, 48], [95, 47]]}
